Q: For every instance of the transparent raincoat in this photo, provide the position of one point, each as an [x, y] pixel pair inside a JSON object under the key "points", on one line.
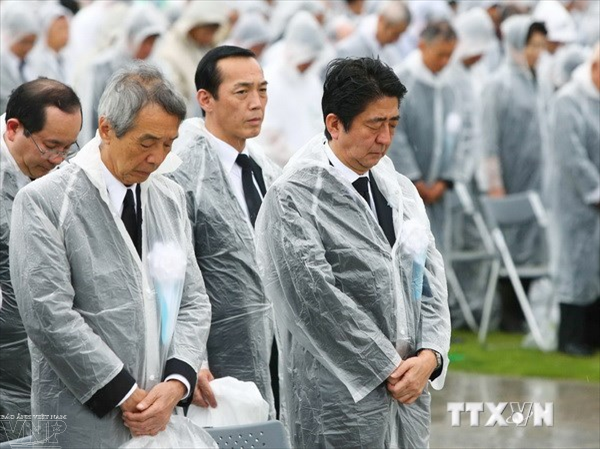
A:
{"points": [[514, 134], [576, 148], [426, 145], [88, 303], [348, 308], [15, 363], [241, 332]]}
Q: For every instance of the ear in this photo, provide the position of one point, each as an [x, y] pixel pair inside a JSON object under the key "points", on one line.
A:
{"points": [[205, 100], [334, 126], [421, 44], [104, 129], [12, 128]]}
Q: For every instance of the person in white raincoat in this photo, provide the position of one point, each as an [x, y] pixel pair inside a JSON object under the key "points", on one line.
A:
{"points": [[106, 280], [232, 94], [19, 29], [576, 207], [187, 41], [42, 121], [143, 25], [376, 35], [515, 144], [294, 90], [425, 147], [358, 288], [47, 57]]}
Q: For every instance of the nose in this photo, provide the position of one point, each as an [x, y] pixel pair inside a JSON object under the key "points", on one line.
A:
{"points": [[385, 135], [156, 157], [254, 100]]}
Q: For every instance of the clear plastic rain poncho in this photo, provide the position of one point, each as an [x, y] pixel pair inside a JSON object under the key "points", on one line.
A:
{"points": [[348, 308], [575, 145], [17, 20], [251, 29], [142, 21], [90, 306], [15, 363], [426, 145], [44, 60], [178, 54], [514, 134], [241, 333], [292, 93]]}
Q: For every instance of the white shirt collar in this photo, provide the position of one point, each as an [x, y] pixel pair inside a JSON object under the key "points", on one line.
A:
{"points": [[116, 189], [342, 168], [227, 154]]}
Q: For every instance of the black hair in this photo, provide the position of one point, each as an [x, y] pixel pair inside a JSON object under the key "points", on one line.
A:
{"points": [[28, 102], [351, 84], [536, 27], [207, 75]]}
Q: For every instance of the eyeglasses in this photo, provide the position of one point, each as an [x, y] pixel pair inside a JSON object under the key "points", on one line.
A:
{"points": [[51, 153]]}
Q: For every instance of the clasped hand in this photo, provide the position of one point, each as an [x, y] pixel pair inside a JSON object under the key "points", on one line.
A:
{"points": [[147, 413], [409, 379]]}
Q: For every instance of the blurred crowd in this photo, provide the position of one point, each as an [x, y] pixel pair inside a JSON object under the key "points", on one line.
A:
{"points": [[484, 79]]}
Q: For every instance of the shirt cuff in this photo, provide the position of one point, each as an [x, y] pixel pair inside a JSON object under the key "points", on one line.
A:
{"points": [[183, 380], [128, 394]]}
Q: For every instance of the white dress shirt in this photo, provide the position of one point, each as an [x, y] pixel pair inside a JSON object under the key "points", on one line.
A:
{"points": [[116, 193], [351, 176], [228, 155]]}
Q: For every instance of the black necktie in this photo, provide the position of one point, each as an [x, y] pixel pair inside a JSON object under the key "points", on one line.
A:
{"points": [[22, 70], [362, 187], [130, 220], [251, 195]]}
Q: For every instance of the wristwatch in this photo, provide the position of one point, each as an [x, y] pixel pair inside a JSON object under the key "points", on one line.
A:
{"points": [[438, 358]]}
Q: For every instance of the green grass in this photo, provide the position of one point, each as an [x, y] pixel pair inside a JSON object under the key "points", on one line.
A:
{"points": [[503, 355]]}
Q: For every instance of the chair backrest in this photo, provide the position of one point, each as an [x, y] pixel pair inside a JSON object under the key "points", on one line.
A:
{"points": [[514, 209], [267, 435]]}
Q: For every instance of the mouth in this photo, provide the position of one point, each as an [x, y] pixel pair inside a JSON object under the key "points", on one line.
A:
{"points": [[255, 121]]}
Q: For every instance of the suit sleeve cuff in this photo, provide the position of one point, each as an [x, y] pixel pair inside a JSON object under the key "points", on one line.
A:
{"points": [[181, 379], [109, 396], [180, 368]]}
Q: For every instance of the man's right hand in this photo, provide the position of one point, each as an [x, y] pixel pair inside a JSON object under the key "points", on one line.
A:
{"points": [[497, 192], [424, 191], [203, 394], [132, 401]]}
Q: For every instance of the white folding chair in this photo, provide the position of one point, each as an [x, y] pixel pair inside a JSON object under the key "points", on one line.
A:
{"points": [[486, 253], [267, 435], [512, 210]]}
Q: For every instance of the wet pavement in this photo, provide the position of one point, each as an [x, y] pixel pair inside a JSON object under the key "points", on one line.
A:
{"points": [[575, 413]]}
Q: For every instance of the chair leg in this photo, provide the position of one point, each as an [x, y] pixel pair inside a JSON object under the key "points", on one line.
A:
{"points": [[454, 283], [489, 301]]}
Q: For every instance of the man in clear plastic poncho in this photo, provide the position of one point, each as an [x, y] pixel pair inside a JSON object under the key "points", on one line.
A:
{"points": [[42, 120], [576, 207], [358, 288], [425, 147], [232, 93], [105, 276]]}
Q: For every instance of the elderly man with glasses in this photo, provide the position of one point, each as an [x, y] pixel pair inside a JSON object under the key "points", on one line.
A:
{"points": [[41, 124]]}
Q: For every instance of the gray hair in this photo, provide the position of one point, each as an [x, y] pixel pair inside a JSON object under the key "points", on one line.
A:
{"points": [[394, 12], [131, 89], [440, 29]]}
